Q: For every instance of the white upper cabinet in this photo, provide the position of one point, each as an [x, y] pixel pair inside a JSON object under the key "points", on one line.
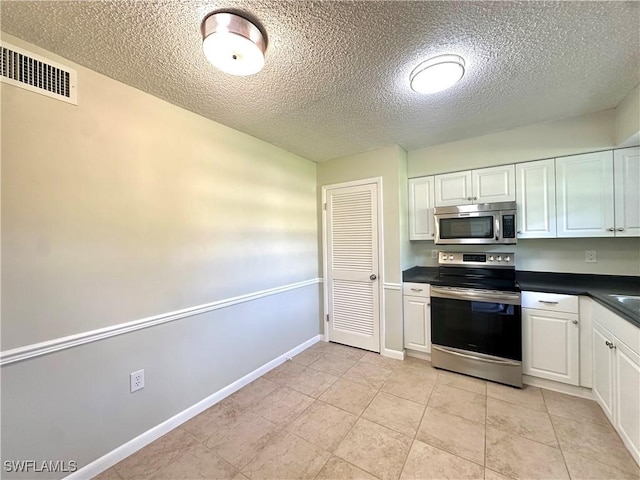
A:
{"points": [[626, 166], [453, 189], [421, 203], [536, 197], [494, 184], [588, 195], [584, 188]]}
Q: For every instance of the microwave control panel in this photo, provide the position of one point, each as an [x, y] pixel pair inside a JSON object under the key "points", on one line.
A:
{"points": [[508, 226]]}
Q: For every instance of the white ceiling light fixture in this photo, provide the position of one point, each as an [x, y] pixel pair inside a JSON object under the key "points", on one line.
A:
{"points": [[233, 44], [437, 73]]}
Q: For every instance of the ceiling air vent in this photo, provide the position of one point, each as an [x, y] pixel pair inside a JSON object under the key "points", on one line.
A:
{"points": [[27, 70]]}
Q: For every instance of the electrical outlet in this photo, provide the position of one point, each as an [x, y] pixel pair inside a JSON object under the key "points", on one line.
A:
{"points": [[590, 256], [137, 380], [434, 253]]}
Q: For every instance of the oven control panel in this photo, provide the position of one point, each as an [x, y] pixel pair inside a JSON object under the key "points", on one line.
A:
{"points": [[497, 259]]}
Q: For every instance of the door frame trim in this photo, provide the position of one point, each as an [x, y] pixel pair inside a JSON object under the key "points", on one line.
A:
{"points": [[325, 294]]}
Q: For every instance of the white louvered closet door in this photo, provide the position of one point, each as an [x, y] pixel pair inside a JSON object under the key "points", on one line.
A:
{"points": [[352, 260]]}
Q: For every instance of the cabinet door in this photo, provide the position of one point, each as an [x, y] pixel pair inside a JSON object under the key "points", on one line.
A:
{"points": [[584, 188], [603, 375], [550, 345], [421, 203], [627, 407], [626, 165], [495, 184], [536, 193], [453, 189], [417, 324]]}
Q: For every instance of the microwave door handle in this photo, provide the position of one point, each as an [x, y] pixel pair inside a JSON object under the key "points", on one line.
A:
{"points": [[498, 233]]}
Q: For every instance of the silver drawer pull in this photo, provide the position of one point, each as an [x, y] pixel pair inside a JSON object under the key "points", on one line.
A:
{"points": [[416, 289], [547, 302]]}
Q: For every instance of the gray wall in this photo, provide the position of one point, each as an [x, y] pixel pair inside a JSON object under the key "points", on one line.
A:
{"points": [[125, 207], [389, 163], [616, 256]]}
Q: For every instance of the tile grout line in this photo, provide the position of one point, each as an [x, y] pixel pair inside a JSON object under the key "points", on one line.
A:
{"points": [[564, 460], [486, 418], [404, 464], [358, 418]]}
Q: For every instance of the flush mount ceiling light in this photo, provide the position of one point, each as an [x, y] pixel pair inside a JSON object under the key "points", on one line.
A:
{"points": [[437, 74], [233, 44]]}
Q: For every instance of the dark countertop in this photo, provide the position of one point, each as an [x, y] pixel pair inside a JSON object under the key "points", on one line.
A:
{"points": [[598, 287], [419, 274]]}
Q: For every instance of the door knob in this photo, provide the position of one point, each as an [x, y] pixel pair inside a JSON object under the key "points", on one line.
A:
{"points": [[575, 322], [373, 276]]}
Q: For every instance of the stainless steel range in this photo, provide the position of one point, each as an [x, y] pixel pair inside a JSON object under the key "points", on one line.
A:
{"points": [[476, 318]]}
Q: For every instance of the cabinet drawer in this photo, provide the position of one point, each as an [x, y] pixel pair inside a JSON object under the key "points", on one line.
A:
{"points": [[416, 289], [554, 302]]}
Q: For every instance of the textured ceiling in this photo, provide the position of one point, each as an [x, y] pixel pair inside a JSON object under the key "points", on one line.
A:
{"points": [[336, 75]]}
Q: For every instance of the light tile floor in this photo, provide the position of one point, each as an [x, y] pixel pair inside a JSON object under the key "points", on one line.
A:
{"points": [[336, 412]]}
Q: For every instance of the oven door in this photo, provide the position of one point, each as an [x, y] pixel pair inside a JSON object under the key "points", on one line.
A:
{"points": [[482, 321]]}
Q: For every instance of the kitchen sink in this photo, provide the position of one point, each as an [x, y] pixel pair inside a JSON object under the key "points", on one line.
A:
{"points": [[631, 301]]}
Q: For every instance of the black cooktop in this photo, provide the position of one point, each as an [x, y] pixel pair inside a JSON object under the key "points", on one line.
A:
{"points": [[481, 278]]}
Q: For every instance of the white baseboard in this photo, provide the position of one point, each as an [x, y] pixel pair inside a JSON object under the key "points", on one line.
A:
{"points": [[110, 459], [558, 387], [395, 354]]}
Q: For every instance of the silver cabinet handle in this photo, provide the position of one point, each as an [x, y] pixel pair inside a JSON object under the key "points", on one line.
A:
{"points": [[611, 229], [433, 234], [547, 302], [373, 276], [469, 198], [575, 322], [428, 304], [475, 198], [519, 232], [609, 344], [620, 229], [416, 289]]}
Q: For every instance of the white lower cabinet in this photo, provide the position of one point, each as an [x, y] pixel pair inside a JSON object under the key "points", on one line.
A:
{"points": [[626, 365], [603, 370], [417, 317], [550, 345], [551, 337], [616, 374]]}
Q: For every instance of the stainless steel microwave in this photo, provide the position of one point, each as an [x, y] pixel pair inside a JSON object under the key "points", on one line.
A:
{"points": [[479, 224]]}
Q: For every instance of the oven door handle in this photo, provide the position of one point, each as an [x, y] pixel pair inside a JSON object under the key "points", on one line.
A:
{"points": [[508, 298], [474, 357]]}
